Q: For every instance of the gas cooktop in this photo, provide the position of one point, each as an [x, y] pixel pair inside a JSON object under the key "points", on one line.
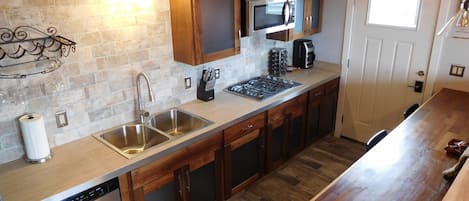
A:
{"points": [[262, 87]]}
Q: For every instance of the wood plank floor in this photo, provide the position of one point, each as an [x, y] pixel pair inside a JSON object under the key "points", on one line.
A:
{"points": [[306, 174]]}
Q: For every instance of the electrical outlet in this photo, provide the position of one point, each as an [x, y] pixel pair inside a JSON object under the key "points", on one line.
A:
{"points": [[187, 82], [217, 73], [457, 70], [61, 119]]}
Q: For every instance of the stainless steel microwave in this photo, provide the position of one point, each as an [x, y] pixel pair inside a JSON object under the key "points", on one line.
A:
{"points": [[269, 16]]}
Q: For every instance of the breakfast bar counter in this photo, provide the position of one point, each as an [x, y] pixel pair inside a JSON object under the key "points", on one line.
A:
{"points": [[408, 163]]}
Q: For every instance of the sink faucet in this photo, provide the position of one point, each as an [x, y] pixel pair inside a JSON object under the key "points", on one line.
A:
{"points": [[140, 106]]}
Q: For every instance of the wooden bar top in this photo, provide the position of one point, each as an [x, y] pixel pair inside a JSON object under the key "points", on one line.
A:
{"points": [[407, 164]]}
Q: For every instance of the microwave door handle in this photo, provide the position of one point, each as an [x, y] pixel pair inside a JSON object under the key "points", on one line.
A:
{"points": [[286, 12]]}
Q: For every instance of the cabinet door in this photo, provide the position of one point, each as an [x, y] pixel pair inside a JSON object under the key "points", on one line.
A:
{"points": [[244, 154], [314, 113], [312, 16], [203, 182], [329, 107], [296, 123], [171, 189], [220, 24], [308, 21], [205, 30], [176, 176], [276, 149]]}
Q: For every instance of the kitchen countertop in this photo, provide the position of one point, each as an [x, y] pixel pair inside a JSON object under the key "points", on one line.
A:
{"points": [[86, 162], [408, 163]]}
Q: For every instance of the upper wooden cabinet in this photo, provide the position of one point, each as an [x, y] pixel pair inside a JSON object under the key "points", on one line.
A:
{"points": [[205, 30], [308, 21]]}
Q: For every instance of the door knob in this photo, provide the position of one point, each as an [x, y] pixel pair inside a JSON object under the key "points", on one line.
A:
{"points": [[420, 73]]}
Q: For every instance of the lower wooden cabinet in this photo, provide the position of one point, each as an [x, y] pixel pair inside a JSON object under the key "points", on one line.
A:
{"points": [[322, 108], [193, 173], [223, 164], [329, 107], [286, 128], [244, 154]]}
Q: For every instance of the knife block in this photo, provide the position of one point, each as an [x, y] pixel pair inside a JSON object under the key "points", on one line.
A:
{"points": [[203, 93]]}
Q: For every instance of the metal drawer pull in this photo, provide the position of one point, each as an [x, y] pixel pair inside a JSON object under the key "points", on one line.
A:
{"points": [[180, 186], [247, 127], [188, 180]]}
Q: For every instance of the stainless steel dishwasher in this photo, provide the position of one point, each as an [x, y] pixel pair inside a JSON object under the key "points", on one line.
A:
{"points": [[107, 191]]}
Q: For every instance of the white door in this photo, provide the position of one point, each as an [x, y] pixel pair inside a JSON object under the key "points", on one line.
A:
{"points": [[390, 43]]}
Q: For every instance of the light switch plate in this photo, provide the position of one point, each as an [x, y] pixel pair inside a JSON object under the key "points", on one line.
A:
{"points": [[457, 70], [61, 119], [187, 82], [217, 73]]}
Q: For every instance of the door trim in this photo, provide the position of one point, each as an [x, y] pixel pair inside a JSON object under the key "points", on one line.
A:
{"points": [[446, 11], [432, 72], [349, 13]]}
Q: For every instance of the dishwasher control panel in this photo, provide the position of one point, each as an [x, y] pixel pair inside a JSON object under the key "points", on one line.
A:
{"points": [[95, 192]]}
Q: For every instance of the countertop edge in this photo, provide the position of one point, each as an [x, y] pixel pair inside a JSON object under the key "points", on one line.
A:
{"points": [[202, 134]]}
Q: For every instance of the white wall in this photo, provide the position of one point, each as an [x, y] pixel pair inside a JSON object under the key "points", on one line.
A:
{"points": [[328, 43], [450, 51]]}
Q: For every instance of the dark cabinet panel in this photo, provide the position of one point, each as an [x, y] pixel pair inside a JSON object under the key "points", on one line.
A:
{"points": [[285, 135], [202, 183], [297, 134], [244, 162], [322, 108], [192, 173], [329, 107], [166, 192], [276, 149], [205, 30], [244, 154], [217, 36]]}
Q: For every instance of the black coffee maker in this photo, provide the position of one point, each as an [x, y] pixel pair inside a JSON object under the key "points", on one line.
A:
{"points": [[303, 53]]}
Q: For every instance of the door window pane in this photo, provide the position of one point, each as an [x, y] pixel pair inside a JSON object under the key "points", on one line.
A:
{"points": [[400, 13]]}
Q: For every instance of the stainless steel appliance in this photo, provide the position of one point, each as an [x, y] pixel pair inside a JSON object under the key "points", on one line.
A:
{"points": [[269, 16], [107, 191], [262, 87], [303, 53]]}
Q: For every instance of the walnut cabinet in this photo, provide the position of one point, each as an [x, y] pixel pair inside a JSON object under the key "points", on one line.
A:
{"points": [[205, 30], [223, 164], [308, 21]]}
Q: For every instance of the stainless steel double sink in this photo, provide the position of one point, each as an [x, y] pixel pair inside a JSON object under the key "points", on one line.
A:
{"points": [[131, 139]]}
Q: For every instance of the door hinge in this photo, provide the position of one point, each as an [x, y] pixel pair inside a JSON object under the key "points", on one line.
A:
{"points": [[342, 119], [348, 63]]}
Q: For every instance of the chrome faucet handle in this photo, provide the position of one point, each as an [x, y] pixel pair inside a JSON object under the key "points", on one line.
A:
{"points": [[143, 116]]}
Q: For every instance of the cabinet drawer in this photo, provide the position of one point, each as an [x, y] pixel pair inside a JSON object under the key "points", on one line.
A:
{"points": [[293, 107], [296, 106], [316, 93], [244, 127], [331, 86], [278, 113]]}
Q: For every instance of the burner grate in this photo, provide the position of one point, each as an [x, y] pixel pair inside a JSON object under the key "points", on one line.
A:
{"points": [[261, 87]]}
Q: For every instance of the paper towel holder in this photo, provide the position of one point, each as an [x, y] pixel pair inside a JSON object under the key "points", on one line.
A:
{"points": [[29, 155], [37, 161]]}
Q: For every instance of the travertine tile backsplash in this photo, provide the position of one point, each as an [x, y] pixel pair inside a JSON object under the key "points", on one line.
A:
{"points": [[96, 85]]}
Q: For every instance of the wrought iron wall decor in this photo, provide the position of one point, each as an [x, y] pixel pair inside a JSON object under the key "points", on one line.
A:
{"points": [[29, 41]]}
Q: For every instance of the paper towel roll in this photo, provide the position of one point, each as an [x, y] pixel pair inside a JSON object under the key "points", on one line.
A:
{"points": [[34, 136]]}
